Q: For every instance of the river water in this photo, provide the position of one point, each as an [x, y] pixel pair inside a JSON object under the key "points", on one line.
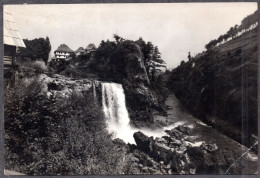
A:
{"points": [[114, 108]]}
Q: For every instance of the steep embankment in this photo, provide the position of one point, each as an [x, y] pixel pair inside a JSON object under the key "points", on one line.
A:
{"points": [[220, 86], [125, 65]]}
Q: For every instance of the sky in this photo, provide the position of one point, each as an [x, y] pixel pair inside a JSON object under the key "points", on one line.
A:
{"points": [[176, 28]]}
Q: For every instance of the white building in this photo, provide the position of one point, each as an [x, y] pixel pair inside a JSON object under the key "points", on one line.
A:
{"points": [[63, 53]]}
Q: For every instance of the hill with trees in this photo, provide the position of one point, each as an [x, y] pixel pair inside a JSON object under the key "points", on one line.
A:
{"points": [[220, 85]]}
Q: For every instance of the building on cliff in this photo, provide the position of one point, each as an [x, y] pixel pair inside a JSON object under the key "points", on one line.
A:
{"points": [[80, 51], [12, 42], [63, 53], [91, 49]]}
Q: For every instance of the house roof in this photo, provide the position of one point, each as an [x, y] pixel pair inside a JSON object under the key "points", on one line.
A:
{"points": [[64, 48], [91, 46], [11, 34], [80, 49]]}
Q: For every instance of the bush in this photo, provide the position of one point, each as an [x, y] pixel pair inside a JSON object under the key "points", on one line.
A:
{"points": [[39, 66], [56, 136], [30, 69]]}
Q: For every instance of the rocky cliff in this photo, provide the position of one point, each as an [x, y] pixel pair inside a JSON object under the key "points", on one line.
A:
{"points": [[126, 66], [220, 86]]}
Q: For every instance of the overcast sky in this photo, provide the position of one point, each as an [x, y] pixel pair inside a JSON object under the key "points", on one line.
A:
{"points": [[175, 28]]}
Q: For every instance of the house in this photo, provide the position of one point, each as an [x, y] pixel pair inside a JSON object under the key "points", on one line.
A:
{"points": [[80, 51], [63, 53], [12, 42], [91, 49]]}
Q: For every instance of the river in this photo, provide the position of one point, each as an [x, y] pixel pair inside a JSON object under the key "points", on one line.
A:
{"points": [[203, 133], [114, 107]]}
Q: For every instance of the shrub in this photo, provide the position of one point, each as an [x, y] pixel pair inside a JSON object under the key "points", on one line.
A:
{"points": [[56, 136], [39, 66], [30, 69]]}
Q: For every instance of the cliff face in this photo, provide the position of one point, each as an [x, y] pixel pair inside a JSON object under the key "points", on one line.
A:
{"points": [[220, 86], [126, 66]]}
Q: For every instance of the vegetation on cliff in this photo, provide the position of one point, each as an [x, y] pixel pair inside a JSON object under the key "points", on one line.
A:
{"points": [[56, 135], [136, 65], [220, 86]]}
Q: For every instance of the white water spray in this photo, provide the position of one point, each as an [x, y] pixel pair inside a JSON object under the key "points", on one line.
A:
{"points": [[94, 90], [113, 102], [116, 114]]}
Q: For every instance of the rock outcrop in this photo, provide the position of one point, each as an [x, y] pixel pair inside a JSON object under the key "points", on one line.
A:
{"points": [[126, 66], [59, 85]]}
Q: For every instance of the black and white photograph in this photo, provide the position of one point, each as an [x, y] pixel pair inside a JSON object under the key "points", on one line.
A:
{"points": [[130, 89]]}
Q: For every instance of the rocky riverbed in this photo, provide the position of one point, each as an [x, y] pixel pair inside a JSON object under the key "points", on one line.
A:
{"points": [[189, 147]]}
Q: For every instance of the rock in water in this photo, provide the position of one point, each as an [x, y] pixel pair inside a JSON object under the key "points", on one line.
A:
{"points": [[209, 147], [183, 129], [143, 142]]}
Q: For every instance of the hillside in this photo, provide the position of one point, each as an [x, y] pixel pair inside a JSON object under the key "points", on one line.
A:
{"points": [[220, 86]]}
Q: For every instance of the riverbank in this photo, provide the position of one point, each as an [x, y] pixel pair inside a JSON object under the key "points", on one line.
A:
{"points": [[196, 147], [219, 87]]}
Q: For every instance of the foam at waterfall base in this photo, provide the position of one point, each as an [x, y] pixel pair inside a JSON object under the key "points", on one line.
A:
{"points": [[117, 118], [126, 134]]}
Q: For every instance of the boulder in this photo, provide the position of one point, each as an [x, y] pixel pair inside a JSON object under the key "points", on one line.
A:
{"points": [[175, 133], [183, 129], [143, 142], [160, 140], [174, 143], [158, 151], [209, 147]]}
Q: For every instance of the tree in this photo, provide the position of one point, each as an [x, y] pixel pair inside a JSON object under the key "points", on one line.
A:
{"points": [[220, 38], [231, 32], [157, 56], [105, 49], [151, 55], [36, 49], [156, 62], [235, 30], [211, 44], [189, 56], [118, 38], [225, 37]]}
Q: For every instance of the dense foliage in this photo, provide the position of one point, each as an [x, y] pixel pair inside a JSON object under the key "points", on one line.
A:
{"points": [[220, 86], [52, 136], [116, 49], [36, 49]]}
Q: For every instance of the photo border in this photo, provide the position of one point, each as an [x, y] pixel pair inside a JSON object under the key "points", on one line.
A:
{"points": [[20, 2]]}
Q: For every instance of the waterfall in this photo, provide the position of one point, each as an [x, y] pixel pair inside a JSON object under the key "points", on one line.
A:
{"points": [[94, 90], [116, 114]]}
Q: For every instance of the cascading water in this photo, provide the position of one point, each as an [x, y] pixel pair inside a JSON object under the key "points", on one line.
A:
{"points": [[116, 114], [94, 89]]}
